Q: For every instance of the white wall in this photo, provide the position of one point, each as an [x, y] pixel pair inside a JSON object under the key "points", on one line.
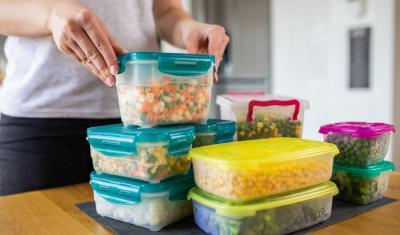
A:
{"points": [[310, 59]]}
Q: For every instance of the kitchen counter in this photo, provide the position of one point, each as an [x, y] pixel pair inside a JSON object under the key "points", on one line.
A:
{"points": [[53, 211]]}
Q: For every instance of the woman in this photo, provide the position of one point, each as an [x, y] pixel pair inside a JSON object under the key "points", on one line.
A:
{"points": [[55, 49]]}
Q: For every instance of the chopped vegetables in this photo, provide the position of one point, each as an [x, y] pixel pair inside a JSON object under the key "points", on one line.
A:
{"points": [[359, 151], [153, 212], [361, 190], [262, 179], [203, 139], [278, 220], [152, 163], [173, 100], [268, 126]]}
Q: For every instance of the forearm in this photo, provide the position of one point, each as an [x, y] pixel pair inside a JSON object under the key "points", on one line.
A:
{"points": [[171, 21], [25, 17]]}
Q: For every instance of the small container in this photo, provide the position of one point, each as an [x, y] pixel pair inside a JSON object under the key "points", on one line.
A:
{"points": [[164, 88], [253, 169], [215, 131], [263, 116], [152, 206], [360, 143], [362, 185], [150, 154], [278, 214]]}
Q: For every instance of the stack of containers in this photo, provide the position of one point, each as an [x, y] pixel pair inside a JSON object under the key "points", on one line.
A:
{"points": [[265, 186], [142, 170], [263, 116], [360, 171]]}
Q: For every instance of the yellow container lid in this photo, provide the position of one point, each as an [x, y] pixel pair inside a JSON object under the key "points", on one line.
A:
{"points": [[263, 151], [250, 208]]}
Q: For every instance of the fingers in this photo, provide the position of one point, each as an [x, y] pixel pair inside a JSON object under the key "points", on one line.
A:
{"points": [[96, 34], [193, 46], [75, 54], [216, 37], [118, 49]]}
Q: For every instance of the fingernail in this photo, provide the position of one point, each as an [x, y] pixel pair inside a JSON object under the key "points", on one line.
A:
{"points": [[109, 81], [114, 69]]}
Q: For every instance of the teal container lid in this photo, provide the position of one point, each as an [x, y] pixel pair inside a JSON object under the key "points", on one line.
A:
{"points": [[373, 170], [225, 130], [125, 191], [118, 141], [176, 64]]}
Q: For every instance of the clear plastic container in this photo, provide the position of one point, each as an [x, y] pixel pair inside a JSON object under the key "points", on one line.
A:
{"points": [[215, 131], [279, 214], [164, 88], [362, 185], [152, 206], [360, 143], [253, 169], [263, 116], [150, 154]]}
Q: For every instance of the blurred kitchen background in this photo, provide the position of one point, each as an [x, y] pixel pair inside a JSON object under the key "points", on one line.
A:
{"points": [[343, 56]]}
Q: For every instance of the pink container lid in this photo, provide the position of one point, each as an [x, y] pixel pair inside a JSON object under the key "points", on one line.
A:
{"points": [[358, 129]]}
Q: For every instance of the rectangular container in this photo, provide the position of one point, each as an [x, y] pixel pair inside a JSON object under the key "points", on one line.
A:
{"points": [[360, 143], [362, 185], [253, 169], [215, 131], [164, 88], [150, 154], [279, 214], [152, 206], [263, 116]]}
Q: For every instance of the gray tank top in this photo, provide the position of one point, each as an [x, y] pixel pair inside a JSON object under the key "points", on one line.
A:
{"points": [[42, 82]]}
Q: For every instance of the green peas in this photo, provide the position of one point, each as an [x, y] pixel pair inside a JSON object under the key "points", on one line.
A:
{"points": [[359, 151]]}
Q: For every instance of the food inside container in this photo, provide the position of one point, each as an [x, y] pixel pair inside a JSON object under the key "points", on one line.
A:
{"points": [[263, 116], [150, 154], [253, 169], [164, 88], [278, 214], [360, 143], [215, 131], [152, 206], [362, 185]]}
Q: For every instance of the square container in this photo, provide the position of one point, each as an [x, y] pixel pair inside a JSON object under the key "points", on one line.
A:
{"points": [[278, 214], [215, 131], [164, 88], [359, 143], [263, 116], [362, 185], [247, 170], [150, 154], [152, 206]]}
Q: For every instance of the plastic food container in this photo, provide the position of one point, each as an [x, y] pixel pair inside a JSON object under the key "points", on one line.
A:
{"points": [[362, 185], [360, 143], [263, 116], [164, 88], [279, 214], [215, 131], [252, 169], [152, 206], [150, 154]]}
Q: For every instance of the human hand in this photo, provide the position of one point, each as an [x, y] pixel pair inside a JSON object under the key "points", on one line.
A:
{"points": [[206, 39], [80, 34]]}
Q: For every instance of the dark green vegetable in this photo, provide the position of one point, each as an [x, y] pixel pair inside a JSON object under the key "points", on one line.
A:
{"points": [[359, 151], [280, 220], [360, 189], [268, 127], [203, 139]]}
